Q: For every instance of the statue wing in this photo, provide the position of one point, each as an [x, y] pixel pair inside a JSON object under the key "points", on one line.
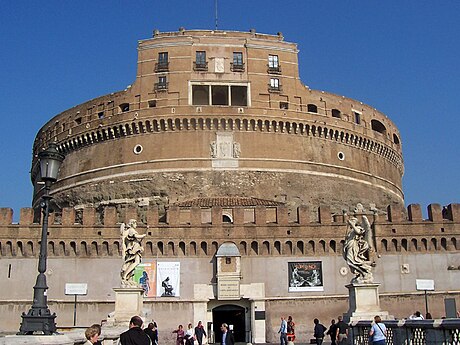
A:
{"points": [[368, 232]]}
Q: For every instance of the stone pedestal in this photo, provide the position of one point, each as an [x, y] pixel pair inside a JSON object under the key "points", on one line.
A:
{"points": [[364, 303], [128, 303]]}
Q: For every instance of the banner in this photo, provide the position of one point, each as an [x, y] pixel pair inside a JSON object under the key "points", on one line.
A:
{"points": [[145, 276], [168, 279], [305, 276]]}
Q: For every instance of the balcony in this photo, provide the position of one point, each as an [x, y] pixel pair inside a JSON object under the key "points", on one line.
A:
{"points": [[237, 67], [274, 89], [162, 66], [274, 70], [201, 66], [161, 86]]}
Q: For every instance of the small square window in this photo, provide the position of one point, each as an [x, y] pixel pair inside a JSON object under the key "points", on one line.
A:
{"points": [[228, 260], [152, 103], [100, 115], [284, 105]]}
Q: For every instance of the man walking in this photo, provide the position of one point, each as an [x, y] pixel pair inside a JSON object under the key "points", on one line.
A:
{"points": [[283, 331], [342, 331], [134, 335], [199, 332], [227, 336]]}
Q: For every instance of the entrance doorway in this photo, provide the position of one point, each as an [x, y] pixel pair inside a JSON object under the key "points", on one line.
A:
{"points": [[232, 315]]}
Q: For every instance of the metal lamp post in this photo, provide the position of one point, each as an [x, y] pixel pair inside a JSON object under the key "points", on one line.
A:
{"points": [[39, 317]]}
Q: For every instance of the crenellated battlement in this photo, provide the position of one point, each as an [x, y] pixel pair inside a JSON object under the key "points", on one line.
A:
{"points": [[260, 230], [259, 215]]}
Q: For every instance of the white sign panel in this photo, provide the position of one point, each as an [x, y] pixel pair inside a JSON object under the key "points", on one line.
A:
{"points": [[76, 288], [424, 284]]}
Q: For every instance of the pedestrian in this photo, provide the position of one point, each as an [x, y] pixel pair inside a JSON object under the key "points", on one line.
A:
{"points": [[99, 331], [332, 332], [180, 335], [152, 332], [199, 332], [342, 331], [378, 332], [135, 334], [416, 316], [227, 336], [91, 335], [283, 331], [319, 331], [189, 335], [290, 329]]}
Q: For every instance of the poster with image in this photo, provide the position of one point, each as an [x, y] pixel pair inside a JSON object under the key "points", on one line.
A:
{"points": [[168, 279], [145, 276], [305, 276]]}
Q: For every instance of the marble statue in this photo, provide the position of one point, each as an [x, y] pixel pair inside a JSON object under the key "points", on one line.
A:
{"points": [[131, 251], [356, 250], [213, 147]]}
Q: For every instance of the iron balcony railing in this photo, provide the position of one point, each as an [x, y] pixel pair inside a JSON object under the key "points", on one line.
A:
{"points": [[237, 67], [274, 69], [162, 66], [272, 88], [161, 86], [200, 66]]}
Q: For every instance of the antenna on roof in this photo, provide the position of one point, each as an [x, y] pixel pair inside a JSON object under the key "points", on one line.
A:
{"points": [[216, 13]]}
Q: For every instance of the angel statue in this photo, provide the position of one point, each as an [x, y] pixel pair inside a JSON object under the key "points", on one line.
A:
{"points": [[132, 252], [356, 250]]}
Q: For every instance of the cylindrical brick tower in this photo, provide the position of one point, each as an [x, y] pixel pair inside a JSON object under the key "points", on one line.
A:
{"points": [[220, 113]]}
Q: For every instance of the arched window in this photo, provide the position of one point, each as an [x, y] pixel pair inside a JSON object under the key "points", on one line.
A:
{"points": [[336, 113], [312, 108], [378, 126]]}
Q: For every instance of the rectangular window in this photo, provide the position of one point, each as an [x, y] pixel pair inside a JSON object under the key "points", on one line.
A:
{"points": [[357, 117], [237, 65], [162, 83], [239, 95], [200, 61], [163, 58], [163, 64], [200, 94], [200, 58], [219, 94], [237, 59], [273, 61], [274, 84], [273, 64]]}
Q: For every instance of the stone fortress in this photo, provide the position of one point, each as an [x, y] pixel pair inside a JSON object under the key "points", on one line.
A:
{"points": [[242, 174]]}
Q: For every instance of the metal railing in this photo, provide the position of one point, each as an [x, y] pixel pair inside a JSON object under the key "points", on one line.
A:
{"points": [[162, 66], [410, 332], [200, 66], [236, 67]]}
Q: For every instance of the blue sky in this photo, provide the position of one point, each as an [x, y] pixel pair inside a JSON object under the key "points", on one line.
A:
{"points": [[401, 57]]}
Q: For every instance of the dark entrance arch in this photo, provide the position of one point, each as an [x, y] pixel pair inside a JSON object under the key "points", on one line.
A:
{"points": [[231, 315]]}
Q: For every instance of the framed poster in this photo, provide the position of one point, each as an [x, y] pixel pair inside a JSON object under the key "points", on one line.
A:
{"points": [[145, 276], [305, 276], [168, 279]]}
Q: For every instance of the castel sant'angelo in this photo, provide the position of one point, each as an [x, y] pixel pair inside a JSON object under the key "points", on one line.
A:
{"points": [[237, 172]]}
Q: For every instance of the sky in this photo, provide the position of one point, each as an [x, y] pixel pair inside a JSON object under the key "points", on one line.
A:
{"points": [[401, 57]]}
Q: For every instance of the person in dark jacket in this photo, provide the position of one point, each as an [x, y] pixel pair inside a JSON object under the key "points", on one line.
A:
{"points": [[227, 335], [332, 332], [152, 332], [319, 332], [134, 335], [199, 332]]}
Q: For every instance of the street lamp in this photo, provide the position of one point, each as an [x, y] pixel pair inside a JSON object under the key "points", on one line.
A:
{"points": [[39, 318]]}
